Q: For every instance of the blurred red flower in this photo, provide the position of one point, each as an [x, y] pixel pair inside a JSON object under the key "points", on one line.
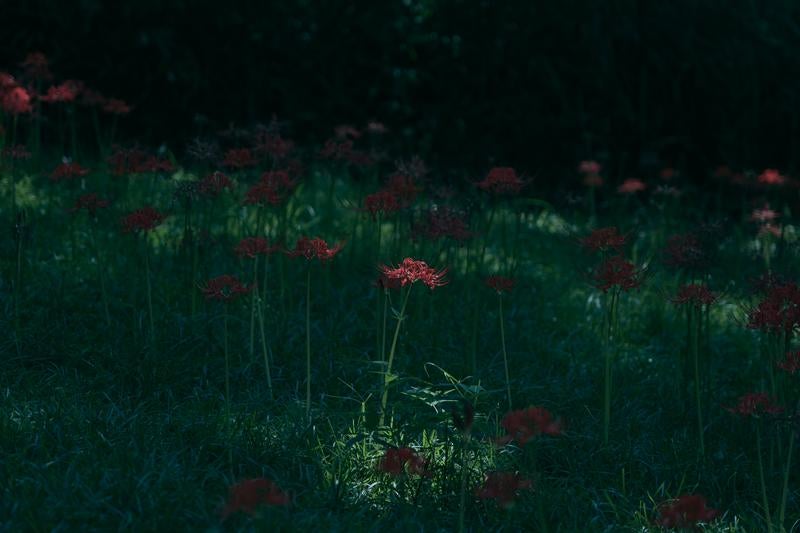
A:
{"points": [[395, 461], [442, 222], [502, 487], [778, 311], [616, 271], [791, 363], [249, 494], [64, 92], [501, 180], [685, 251], [37, 66], [239, 158], [16, 101], [213, 184], [604, 239], [500, 284], [315, 248], [224, 288], [685, 512], [413, 270], [383, 202], [253, 246], [144, 219], [91, 202], [694, 294], [115, 106], [631, 186], [68, 170], [523, 425], [771, 176], [755, 404]]}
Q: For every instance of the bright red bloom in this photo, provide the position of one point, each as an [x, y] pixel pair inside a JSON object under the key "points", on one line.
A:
{"points": [[604, 239], [91, 202], [249, 494], [694, 294], [755, 404], [395, 461], [616, 271], [253, 246], [239, 158], [443, 222], [214, 184], [144, 219], [631, 186], [65, 92], [779, 311], [523, 425], [413, 270], [382, 202], [502, 487], [68, 170], [500, 284], [501, 180], [115, 106], [16, 101], [791, 364], [315, 248], [771, 176], [685, 512], [224, 288]]}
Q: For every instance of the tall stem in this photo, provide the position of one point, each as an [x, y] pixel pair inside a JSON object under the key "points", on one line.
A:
{"points": [[308, 345], [387, 376], [149, 291], [264, 346], [785, 492], [695, 357], [764, 500], [505, 354], [610, 331], [253, 301]]}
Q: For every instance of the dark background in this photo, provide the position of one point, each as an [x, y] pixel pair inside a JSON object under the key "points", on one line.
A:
{"points": [[533, 84]]}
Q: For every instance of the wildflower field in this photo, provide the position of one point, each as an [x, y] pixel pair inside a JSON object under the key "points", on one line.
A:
{"points": [[249, 333]]}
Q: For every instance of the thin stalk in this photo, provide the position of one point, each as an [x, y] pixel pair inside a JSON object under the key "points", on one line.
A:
{"points": [[253, 301], [695, 357], [149, 291], [505, 355], [264, 346], [607, 371], [227, 383], [764, 500], [785, 492], [308, 345], [101, 275], [462, 505], [387, 375]]}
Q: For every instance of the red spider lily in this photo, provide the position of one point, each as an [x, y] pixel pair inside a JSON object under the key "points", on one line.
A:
{"points": [[694, 294], [604, 239], [239, 158], [16, 101], [403, 186], [771, 176], [262, 194], [273, 145], [115, 106], [779, 310], [91, 202], [685, 512], [502, 487], [249, 494], [315, 248], [765, 214], [685, 251], [631, 186], [395, 461], [523, 425], [68, 170], [413, 270], [755, 404], [280, 180], [18, 152], [500, 284], [382, 202], [213, 184], [135, 161], [501, 180], [224, 288], [153, 165], [253, 246], [589, 167], [443, 222], [36, 66], [616, 271], [791, 364], [142, 220], [65, 92]]}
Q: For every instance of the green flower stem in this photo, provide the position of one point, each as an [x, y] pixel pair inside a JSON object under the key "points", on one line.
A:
{"points": [[505, 354], [695, 343], [610, 331], [149, 290], [264, 345], [764, 500], [785, 491], [308, 345], [388, 373]]}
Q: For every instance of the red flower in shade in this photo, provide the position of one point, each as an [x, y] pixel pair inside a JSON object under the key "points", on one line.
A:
{"points": [[16, 101], [524, 425], [144, 219], [280, 180], [395, 461], [253, 246], [685, 251], [91, 202], [604, 239], [213, 184], [631, 186], [224, 288], [315, 248], [694, 294], [261, 194], [65, 92], [755, 404], [685, 512], [7, 81], [502, 487], [68, 170], [616, 271], [17, 152], [382, 202], [239, 158], [386, 283], [779, 311], [403, 186], [763, 215], [443, 222], [771, 176], [273, 145], [345, 131], [769, 230], [249, 494], [115, 106], [501, 180], [500, 284], [667, 173], [791, 364], [36, 66], [153, 165], [589, 167], [413, 270]]}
